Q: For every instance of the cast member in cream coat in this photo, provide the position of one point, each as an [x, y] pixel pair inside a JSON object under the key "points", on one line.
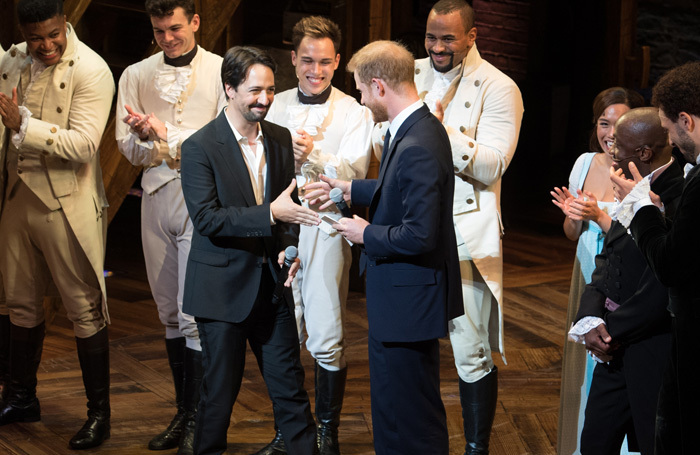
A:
{"points": [[53, 221]]}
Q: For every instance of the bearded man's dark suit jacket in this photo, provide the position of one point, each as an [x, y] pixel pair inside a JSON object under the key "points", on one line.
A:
{"points": [[229, 282], [624, 393], [672, 250], [413, 284]]}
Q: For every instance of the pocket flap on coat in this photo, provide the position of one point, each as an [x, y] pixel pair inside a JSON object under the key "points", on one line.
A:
{"points": [[209, 257], [412, 277]]}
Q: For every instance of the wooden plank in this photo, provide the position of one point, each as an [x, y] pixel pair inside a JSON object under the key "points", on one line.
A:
{"points": [[379, 20], [74, 9]]}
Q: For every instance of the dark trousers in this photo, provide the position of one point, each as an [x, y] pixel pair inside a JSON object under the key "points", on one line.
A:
{"points": [[272, 335], [623, 397], [408, 416], [679, 399]]}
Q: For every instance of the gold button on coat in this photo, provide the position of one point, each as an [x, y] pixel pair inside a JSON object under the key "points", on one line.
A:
{"points": [[59, 110], [53, 129], [49, 141]]}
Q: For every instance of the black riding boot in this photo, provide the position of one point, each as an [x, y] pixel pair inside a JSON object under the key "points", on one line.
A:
{"points": [[93, 353], [21, 404], [330, 389], [170, 437], [193, 383], [478, 410], [4, 356], [275, 447]]}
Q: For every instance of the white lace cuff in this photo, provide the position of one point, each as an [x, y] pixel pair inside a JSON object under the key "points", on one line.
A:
{"points": [[579, 330], [18, 138], [135, 139], [625, 210]]}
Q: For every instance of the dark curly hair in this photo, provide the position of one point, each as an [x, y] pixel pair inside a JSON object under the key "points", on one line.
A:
{"points": [[678, 91], [34, 11], [605, 99], [162, 8]]}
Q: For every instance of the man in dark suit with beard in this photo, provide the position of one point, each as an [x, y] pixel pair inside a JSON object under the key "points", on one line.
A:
{"points": [[239, 186], [622, 318], [672, 251], [410, 254]]}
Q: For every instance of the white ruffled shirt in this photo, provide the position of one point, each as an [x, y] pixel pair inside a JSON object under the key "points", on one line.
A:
{"points": [[37, 67], [441, 82]]}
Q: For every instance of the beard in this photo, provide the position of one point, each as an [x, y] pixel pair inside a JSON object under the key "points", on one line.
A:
{"points": [[686, 145], [379, 113], [253, 116], [444, 68]]}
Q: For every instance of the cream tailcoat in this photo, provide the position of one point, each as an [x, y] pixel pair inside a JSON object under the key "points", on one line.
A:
{"points": [[61, 161], [483, 112]]}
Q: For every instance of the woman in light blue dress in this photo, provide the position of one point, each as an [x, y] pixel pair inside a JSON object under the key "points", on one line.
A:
{"points": [[586, 203]]}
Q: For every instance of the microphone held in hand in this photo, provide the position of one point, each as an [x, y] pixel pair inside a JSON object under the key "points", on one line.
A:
{"points": [[290, 255], [336, 196]]}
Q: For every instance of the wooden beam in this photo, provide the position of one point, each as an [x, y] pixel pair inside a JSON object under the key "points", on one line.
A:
{"points": [[74, 9], [379, 20], [215, 15]]}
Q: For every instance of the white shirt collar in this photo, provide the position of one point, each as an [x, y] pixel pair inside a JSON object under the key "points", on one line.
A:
{"points": [[403, 115], [656, 172]]}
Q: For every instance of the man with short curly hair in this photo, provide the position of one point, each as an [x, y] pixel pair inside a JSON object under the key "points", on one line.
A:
{"points": [[672, 250]]}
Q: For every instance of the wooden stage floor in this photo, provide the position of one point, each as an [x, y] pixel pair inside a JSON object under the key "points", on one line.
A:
{"points": [[537, 269]]}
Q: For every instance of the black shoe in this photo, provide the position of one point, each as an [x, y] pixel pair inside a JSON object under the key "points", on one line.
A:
{"points": [[93, 354], [94, 432], [479, 401], [275, 447], [330, 389], [21, 404], [193, 383], [170, 437], [4, 357], [20, 412], [327, 440]]}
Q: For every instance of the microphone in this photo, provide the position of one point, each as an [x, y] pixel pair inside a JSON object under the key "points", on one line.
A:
{"points": [[336, 196], [290, 254]]}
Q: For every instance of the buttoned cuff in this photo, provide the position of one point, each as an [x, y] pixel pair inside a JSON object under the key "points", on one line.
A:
{"points": [[44, 136], [463, 149]]}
